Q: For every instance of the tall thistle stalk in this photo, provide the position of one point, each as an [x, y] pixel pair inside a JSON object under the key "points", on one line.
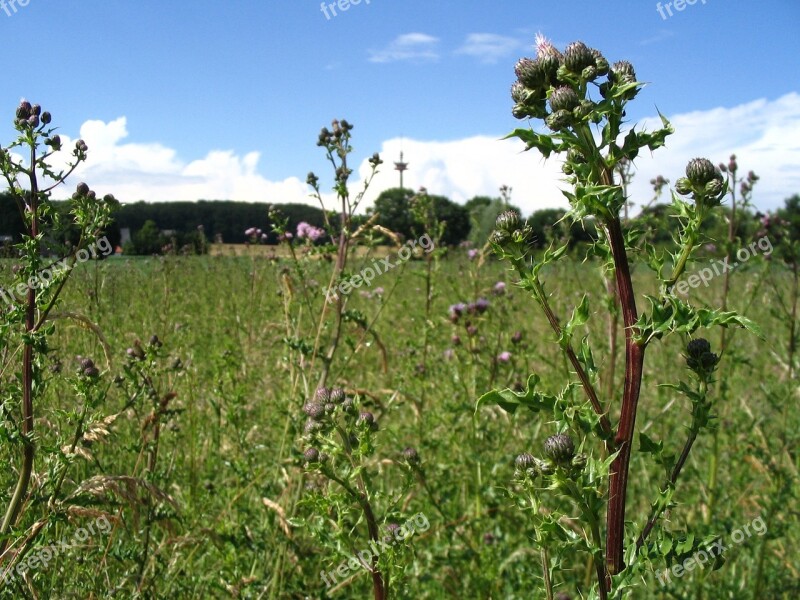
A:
{"points": [[582, 101]]}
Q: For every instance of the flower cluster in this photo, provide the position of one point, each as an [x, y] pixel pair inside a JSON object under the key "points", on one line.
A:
{"points": [[255, 234], [309, 232], [560, 454], [553, 85], [324, 412], [703, 181], [699, 357]]}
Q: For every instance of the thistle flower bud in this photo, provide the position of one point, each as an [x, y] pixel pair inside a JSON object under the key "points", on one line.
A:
{"points": [[24, 110], [600, 62], [155, 342], [337, 395], [348, 406], [545, 466], [525, 461], [622, 72], [311, 455], [584, 109], [529, 73], [312, 179], [322, 395], [577, 57], [579, 461], [559, 448], [411, 455], [700, 171], [311, 427], [699, 357], [507, 221], [33, 121], [36, 110], [366, 417], [518, 92], [46, 117], [563, 98], [375, 160], [683, 186], [315, 410], [54, 142], [82, 189], [558, 120]]}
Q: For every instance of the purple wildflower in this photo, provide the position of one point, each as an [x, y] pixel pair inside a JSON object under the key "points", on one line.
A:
{"points": [[504, 357]]}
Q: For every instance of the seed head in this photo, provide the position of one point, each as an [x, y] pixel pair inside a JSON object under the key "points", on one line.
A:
{"points": [[559, 448]]}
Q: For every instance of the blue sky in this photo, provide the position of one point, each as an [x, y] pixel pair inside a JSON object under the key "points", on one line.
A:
{"points": [[183, 100]]}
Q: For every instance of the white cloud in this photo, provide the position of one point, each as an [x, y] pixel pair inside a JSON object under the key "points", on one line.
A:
{"points": [[409, 46], [763, 134], [489, 47]]}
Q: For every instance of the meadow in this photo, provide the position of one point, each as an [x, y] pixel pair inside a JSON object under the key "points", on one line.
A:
{"points": [[226, 506]]}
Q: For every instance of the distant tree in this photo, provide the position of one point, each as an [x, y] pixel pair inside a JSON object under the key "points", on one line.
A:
{"points": [[394, 212], [147, 240], [484, 215]]}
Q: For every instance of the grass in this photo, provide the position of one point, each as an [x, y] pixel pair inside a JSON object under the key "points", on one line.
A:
{"points": [[230, 460]]}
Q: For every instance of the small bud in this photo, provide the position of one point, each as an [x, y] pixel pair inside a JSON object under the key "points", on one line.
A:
{"points": [[524, 461], [558, 120], [699, 357], [337, 395], [683, 186], [24, 110], [579, 461], [411, 456], [366, 417], [36, 110], [155, 342], [46, 117], [311, 455], [559, 448]]}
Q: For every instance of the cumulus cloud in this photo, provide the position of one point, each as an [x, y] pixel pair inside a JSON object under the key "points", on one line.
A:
{"points": [[489, 47], [762, 133], [153, 172], [409, 46]]}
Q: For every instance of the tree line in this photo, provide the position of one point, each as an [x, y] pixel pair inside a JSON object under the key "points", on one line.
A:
{"points": [[163, 227]]}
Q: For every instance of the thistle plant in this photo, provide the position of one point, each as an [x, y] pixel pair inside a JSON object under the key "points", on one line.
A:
{"points": [[340, 447], [581, 99], [28, 315]]}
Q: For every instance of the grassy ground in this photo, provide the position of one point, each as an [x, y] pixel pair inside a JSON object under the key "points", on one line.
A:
{"points": [[230, 462]]}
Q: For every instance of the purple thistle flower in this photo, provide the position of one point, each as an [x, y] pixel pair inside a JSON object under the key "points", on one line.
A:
{"points": [[504, 357], [472, 254], [500, 288]]}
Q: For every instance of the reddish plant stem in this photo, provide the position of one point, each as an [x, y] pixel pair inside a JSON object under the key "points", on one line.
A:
{"points": [[634, 363]]}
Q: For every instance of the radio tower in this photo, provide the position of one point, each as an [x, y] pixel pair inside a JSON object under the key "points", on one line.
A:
{"points": [[401, 166]]}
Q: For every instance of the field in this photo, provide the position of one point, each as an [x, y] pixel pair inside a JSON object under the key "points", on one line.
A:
{"points": [[207, 493]]}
